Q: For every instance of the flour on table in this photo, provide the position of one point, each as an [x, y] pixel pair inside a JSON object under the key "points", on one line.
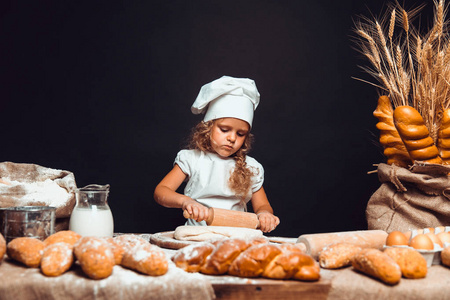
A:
{"points": [[204, 233]]}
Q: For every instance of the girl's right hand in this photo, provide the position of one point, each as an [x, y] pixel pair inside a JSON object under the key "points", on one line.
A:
{"points": [[198, 211]]}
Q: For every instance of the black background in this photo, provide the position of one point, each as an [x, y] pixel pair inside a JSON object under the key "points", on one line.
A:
{"points": [[104, 89]]}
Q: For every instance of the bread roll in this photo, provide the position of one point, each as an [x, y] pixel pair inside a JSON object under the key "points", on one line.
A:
{"points": [[57, 259], [412, 264], [338, 255], [443, 142], [26, 250], [445, 256], [414, 133], [147, 259], [95, 257], [377, 264], [2, 247], [394, 149], [65, 236]]}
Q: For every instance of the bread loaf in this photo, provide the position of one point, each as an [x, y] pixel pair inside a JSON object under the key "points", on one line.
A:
{"points": [[338, 255], [415, 135], [412, 264], [377, 264], [95, 257], [65, 236], [394, 149], [445, 256], [2, 247], [247, 258], [26, 250], [57, 259], [147, 259], [443, 142]]}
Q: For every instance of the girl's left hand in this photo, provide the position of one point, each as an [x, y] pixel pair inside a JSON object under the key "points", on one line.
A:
{"points": [[267, 221]]}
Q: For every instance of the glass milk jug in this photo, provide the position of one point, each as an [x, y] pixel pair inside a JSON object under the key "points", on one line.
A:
{"points": [[91, 215]]}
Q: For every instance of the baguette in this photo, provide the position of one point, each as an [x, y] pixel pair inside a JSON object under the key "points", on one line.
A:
{"points": [[394, 148], [443, 142], [377, 264], [248, 258], [338, 255], [415, 135]]}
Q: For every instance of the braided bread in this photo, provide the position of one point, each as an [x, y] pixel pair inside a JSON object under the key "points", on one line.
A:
{"points": [[394, 149], [415, 135], [443, 142], [247, 258]]}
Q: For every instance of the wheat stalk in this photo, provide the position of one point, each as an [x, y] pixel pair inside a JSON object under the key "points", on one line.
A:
{"points": [[413, 68]]}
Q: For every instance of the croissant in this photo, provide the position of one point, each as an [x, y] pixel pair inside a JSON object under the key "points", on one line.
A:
{"points": [[443, 142], [248, 258], [415, 135], [394, 149]]}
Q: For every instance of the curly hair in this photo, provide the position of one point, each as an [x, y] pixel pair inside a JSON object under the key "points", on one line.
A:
{"points": [[240, 180]]}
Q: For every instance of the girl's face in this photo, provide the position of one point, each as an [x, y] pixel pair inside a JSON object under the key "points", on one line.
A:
{"points": [[228, 135]]}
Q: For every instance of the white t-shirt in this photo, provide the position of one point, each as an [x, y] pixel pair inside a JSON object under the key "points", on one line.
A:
{"points": [[207, 179]]}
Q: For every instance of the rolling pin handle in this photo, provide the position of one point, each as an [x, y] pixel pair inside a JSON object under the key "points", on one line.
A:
{"points": [[208, 221]]}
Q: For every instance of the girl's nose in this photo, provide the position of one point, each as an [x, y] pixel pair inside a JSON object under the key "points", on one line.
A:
{"points": [[231, 137]]}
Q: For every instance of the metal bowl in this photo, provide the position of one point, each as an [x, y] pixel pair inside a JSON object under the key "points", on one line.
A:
{"points": [[28, 221]]}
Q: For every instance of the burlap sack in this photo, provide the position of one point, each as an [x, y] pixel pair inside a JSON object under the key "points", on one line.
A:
{"points": [[30, 184], [408, 199]]}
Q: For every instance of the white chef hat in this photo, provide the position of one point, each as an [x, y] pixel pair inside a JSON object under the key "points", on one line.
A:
{"points": [[227, 97]]}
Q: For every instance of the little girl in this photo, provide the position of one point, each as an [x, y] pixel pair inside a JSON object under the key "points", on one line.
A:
{"points": [[217, 169]]}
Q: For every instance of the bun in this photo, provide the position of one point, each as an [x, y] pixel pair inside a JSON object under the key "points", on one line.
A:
{"points": [[415, 135], [247, 258], [26, 250], [57, 259], [147, 259], [65, 236], [338, 255], [95, 257], [377, 264], [117, 249], [412, 264], [394, 149]]}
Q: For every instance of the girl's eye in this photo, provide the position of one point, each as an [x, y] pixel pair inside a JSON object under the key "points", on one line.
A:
{"points": [[240, 134], [223, 129]]}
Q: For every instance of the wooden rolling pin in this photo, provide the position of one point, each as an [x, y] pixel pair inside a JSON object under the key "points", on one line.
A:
{"points": [[314, 243], [231, 218]]}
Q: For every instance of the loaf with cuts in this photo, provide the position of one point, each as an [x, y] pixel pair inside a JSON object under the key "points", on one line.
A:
{"points": [[248, 258]]}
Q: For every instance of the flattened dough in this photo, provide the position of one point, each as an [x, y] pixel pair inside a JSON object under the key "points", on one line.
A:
{"points": [[204, 233]]}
